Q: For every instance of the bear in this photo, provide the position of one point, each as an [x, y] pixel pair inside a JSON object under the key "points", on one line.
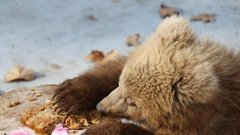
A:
{"points": [[83, 92], [175, 83], [116, 127]]}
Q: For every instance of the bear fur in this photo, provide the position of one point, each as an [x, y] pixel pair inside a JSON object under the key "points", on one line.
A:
{"points": [[174, 84], [82, 93], [116, 127]]}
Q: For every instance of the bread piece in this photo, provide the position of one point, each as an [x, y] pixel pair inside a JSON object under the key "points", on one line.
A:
{"points": [[44, 119]]}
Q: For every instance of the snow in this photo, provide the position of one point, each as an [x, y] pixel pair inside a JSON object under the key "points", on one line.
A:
{"points": [[38, 33]]}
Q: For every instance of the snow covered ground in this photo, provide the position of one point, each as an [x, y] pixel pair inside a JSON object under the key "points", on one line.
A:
{"points": [[39, 33]]}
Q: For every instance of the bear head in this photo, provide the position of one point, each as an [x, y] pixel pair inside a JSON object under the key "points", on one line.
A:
{"points": [[166, 84]]}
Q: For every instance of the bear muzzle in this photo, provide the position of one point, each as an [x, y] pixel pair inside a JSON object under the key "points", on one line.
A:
{"points": [[113, 104]]}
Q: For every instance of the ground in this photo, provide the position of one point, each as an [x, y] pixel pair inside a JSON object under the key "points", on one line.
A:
{"points": [[40, 33]]}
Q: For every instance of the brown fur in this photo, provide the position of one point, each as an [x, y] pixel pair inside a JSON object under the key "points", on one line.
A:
{"points": [[178, 84], [85, 91], [115, 127]]}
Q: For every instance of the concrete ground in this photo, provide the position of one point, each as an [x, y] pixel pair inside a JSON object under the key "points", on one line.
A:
{"points": [[39, 33]]}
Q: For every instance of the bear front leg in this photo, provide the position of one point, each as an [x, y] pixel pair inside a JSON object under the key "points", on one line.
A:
{"points": [[83, 92], [115, 127]]}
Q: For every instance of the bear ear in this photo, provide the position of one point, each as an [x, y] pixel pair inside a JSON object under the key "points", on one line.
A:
{"points": [[200, 85], [176, 31]]}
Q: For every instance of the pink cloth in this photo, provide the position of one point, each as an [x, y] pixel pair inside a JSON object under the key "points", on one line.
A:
{"points": [[22, 131], [60, 130]]}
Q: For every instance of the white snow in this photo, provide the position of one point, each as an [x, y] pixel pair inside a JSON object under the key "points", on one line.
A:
{"points": [[38, 33]]}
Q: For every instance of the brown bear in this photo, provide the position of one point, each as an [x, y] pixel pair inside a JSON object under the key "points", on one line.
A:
{"points": [[174, 84]]}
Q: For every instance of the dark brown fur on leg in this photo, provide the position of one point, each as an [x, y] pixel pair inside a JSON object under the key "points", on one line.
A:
{"points": [[83, 92], [115, 127]]}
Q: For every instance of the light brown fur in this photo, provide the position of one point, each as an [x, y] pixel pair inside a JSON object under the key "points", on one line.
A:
{"points": [[178, 84]]}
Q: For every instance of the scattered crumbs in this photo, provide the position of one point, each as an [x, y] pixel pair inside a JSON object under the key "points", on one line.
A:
{"points": [[56, 66], [39, 94], [72, 131], [133, 40], [95, 121], [204, 17], [95, 56], [48, 101], [19, 73], [166, 11], [91, 17], [31, 98], [14, 103]]}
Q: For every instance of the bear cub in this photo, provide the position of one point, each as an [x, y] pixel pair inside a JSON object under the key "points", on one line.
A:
{"points": [[174, 84]]}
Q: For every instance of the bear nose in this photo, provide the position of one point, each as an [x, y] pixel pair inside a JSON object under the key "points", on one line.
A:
{"points": [[100, 109]]}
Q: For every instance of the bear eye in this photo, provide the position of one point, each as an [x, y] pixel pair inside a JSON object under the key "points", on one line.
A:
{"points": [[130, 102]]}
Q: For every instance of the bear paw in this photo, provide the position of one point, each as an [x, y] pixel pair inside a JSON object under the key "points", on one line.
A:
{"points": [[73, 97]]}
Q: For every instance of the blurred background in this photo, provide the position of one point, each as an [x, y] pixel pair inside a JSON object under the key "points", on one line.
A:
{"points": [[52, 37]]}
